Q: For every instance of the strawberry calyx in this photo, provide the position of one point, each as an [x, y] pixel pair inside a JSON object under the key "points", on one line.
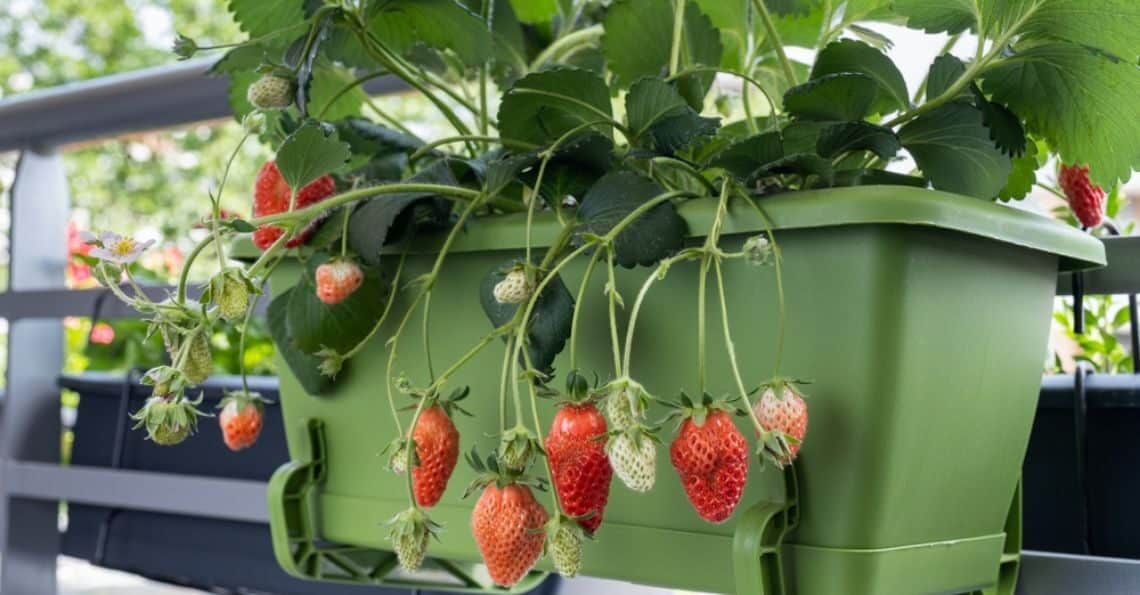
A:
{"points": [[169, 419], [242, 399], [517, 447], [579, 390], [489, 471], [686, 408]]}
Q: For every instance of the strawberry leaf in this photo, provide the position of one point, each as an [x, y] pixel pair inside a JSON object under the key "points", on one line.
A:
{"points": [[305, 367], [550, 321], [638, 42], [858, 136], [535, 11], [309, 153], [543, 106], [659, 118], [389, 218], [954, 151], [654, 235], [745, 157], [440, 24], [850, 55], [1023, 174], [263, 17], [1079, 101], [832, 97], [944, 71]]}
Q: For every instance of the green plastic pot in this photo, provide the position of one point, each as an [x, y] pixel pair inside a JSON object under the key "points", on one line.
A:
{"points": [[921, 318]]}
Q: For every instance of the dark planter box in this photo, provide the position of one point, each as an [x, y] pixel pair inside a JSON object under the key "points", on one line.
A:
{"points": [[199, 552], [1053, 492]]}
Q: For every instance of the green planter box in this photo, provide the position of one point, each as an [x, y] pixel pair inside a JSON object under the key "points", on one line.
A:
{"points": [[921, 317]]}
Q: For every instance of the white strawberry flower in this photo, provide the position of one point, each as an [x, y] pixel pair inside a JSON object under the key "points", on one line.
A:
{"points": [[112, 247]]}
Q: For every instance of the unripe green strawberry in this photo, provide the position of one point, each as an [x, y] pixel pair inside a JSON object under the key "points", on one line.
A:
{"points": [[199, 361], [271, 92], [564, 545], [516, 447], [633, 455], [515, 288], [168, 420], [409, 533], [231, 294]]}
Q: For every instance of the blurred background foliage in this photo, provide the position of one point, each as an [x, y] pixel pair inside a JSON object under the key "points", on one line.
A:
{"points": [[154, 185]]}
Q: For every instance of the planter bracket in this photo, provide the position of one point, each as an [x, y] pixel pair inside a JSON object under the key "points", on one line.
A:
{"points": [[303, 554], [759, 538], [1010, 564]]}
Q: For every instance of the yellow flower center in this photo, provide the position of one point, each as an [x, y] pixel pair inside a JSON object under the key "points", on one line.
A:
{"points": [[123, 246]]}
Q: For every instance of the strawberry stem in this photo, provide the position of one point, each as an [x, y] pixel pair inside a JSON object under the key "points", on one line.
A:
{"points": [[578, 308]]}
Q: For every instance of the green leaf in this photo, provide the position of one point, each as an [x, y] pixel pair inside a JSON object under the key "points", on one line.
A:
{"points": [[1023, 174], [1005, 126], [550, 321], [935, 16], [441, 24], [369, 138], [802, 136], [655, 109], [849, 55], [858, 136], [1108, 25], [509, 41], [305, 367], [262, 17], [384, 219], [745, 157], [840, 96], [327, 83], [308, 154], [1082, 103], [944, 72], [954, 151], [314, 325], [543, 106], [652, 236], [638, 41], [535, 11]]}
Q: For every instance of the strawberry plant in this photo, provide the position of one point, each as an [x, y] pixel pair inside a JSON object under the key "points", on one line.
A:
{"points": [[592, 123]]}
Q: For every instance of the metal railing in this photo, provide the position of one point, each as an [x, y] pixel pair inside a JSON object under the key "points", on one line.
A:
{"points": [[32, 481]]}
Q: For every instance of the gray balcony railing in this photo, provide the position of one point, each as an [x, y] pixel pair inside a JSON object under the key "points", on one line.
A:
{"points": [[32, 481]]}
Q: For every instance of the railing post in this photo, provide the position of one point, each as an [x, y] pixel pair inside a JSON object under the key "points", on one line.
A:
{"points": [[29, 419]]}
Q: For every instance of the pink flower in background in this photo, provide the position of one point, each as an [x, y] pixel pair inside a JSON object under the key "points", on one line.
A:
{"points": [[102, 333], [78, 272]]}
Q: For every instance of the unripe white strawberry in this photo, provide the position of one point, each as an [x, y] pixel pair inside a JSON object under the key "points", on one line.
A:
{"points": [[515, 288], [270, 92], [633, 455], [564, 546]]}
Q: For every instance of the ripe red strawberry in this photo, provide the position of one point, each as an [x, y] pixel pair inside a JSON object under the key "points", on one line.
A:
{"points": [[337, 279], [781, 410], [1085, 198], [271, 196], [241, 420], [711, 457], [437, 448], [508, 525], [578, 462]]}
